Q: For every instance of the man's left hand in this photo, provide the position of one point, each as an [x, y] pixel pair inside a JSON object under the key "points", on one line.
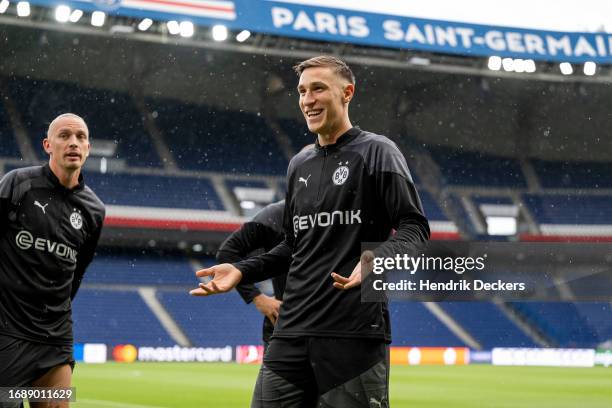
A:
{"points": [[353, 281]]}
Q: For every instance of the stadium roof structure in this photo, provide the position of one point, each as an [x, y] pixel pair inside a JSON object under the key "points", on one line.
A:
{"points": [[295, 30]]}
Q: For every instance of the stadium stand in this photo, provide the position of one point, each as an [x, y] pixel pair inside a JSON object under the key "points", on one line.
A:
{"points": [[415, 178], [464, 168], [155, 191], [560, 321], [461, 216], [580, 175], [218, 140], [413, 325], [110, 288], [432, 209], [231, 184], [217, 322], [109, 115], [139, 269], [599, 316], [562, 208], [492, 200], [595, 283], [116, 317], [121, 274], [297, 132], [8, 147], [487, 324]]}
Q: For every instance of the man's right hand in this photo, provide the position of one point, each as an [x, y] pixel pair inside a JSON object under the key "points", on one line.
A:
{"points": [[268, 306], [225, 278]]}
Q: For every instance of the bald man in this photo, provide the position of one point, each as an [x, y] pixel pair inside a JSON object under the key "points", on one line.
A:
{"points": [[50, 223]]}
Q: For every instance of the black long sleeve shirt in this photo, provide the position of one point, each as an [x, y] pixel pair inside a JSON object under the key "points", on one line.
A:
{"points": [[339, 196], [48, 237], [263, 232]]}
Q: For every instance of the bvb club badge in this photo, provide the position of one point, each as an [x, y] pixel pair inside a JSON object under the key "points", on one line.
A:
{"points": [[76, 220], [341, 174]]}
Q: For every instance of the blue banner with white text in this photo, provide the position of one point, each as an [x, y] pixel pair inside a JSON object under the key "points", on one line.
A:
{"points": [[365, 28]]}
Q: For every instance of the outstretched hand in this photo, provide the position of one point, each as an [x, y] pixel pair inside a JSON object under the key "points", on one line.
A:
{"points": [[225, 278], [354, 280]]}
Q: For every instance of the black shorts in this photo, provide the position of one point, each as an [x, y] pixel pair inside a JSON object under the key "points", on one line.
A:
{"points": [[310, 372], [23, 361]]}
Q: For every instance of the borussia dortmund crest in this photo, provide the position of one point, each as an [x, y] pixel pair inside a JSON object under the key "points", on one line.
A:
{"points": [[341, 174]]}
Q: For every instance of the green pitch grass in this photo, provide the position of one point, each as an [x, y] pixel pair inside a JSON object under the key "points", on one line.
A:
{"points": [[169, 385]]}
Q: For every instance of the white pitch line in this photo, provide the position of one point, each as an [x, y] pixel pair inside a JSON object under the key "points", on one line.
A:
{"points": [[105, 403]]}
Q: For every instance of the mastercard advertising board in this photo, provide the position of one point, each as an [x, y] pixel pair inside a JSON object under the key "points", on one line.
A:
{"points": [[430, 355], [125, 353]]}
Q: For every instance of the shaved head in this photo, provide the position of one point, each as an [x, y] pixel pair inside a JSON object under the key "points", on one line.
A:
{"points": [[67, 144], [55, 121]]}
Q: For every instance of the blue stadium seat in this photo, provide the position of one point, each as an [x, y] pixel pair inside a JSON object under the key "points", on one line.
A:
{"points": [[231, 184], [155, 191], [215, 321], [218, 140], [109, 116], [8, 146], [598, 316], [558, 174], [570, 208], [595, 284], [412, 324], [487, 324], [432, 209], [495, 200], [297, 132], [415, 178], [560, 321], [116, 317], [465, 168], [139, 269]]}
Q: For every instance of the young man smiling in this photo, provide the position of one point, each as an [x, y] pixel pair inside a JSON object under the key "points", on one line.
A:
{"points": [[50, 223], [329, 349]]}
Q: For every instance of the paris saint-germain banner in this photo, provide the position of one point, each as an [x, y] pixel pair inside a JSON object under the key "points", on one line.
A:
{"points": [[292, 19]]}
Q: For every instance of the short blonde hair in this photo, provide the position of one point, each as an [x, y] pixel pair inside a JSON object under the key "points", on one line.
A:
{"points": [[65, 115]]}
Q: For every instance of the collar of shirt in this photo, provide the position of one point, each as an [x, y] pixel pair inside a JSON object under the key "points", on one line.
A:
{"points": [[349, 135], [55, 181]]}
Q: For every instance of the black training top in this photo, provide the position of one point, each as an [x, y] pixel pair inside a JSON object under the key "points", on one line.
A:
{"points": [[338, 197], [48, 236], [264, 231]]}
